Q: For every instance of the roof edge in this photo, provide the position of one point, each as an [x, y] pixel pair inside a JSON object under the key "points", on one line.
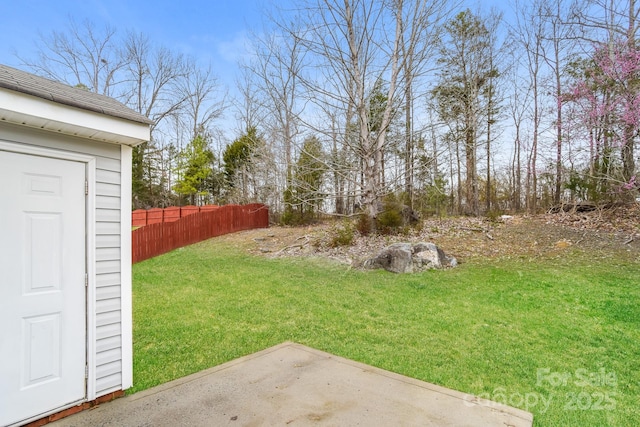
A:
{"points": [[50, 90]]}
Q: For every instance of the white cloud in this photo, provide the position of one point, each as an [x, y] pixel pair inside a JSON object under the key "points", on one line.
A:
{"points": [[236, 49]]}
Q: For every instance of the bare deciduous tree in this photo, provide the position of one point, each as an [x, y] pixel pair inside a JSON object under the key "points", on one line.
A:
{"points": [[350, 46], [83, 56], [529, 32]]}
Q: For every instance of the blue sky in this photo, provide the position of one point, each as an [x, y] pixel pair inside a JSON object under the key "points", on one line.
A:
{"points": [[210, 30]]}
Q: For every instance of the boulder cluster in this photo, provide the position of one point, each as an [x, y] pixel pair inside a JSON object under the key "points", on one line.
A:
{"points": [[411, 258]]}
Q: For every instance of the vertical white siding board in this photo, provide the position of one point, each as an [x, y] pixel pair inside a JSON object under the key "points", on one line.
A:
{"points": [[108, 274], [125, 271], [91, 278]]}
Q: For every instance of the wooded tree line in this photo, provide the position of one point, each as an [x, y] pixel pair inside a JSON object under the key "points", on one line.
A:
{"points": [[345, 104]]}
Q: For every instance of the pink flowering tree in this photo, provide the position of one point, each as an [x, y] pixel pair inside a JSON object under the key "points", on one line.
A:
{"points": [[606, 92]]}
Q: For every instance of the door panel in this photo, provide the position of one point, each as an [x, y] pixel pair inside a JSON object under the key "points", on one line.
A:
{"points": [[41, 345], [43, 240], [42, 285]]}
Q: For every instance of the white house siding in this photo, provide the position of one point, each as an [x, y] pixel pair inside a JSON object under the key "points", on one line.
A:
{"points": [[108, 339]]}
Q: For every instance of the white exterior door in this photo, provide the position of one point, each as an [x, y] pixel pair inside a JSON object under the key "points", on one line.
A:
{"points": [[42, 285]]}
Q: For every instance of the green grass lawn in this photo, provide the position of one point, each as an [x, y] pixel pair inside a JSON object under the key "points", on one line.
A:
{"points": [[561, 340]]}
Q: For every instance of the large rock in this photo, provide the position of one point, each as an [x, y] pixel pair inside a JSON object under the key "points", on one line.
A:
{"points": [[396, 258], [407, 258]]}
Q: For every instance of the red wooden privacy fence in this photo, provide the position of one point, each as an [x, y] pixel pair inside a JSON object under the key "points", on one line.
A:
{"points": [[168, 234], [142, 217]]}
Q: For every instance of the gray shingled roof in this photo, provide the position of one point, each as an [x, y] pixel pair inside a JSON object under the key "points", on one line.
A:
{"points": [[30, 84]]}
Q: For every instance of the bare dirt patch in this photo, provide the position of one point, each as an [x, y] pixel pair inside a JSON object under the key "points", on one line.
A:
{"points": [[611, 234]]}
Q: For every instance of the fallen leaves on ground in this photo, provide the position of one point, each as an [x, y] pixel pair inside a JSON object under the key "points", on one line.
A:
{"points": [[598, 234]]}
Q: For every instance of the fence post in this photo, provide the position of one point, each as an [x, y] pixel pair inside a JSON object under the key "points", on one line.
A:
{"points": [[139, 218]]}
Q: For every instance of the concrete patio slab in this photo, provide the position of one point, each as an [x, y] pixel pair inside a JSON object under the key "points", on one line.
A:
{"points": [[294, 385]]}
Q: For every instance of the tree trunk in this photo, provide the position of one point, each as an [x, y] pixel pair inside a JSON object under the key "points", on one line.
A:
{"points": [[470, 187], [459, 172], [518, 181], [533, 192], [628, 161], [489, 118], [559, 143], [408, 159]]}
